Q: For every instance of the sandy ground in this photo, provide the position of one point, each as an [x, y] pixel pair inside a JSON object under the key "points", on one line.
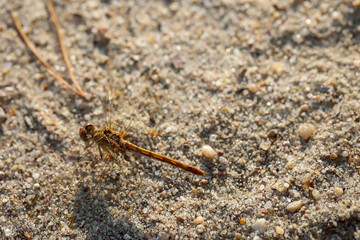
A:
{"points": [[271, 86]]}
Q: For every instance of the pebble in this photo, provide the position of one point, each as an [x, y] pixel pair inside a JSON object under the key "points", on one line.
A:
{"points": [[278, 67], [164, 236], [265, 145], [272, 133], [204, 181], [290, 163], [2, 175], [200, 228], [208, 152], [338, 192], [356, 3], [333, 156], [345, 154], [304, 108], [294, 206], [36, 175], [223, 161], [279, 230], [2, 116], [253, 88], [260, 225], [306, 178], [199, 220], [268, 205], [305, 131], [316, 194], [7, 232]]}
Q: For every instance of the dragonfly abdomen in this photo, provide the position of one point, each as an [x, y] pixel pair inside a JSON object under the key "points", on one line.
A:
{"points": [[132, 147]]}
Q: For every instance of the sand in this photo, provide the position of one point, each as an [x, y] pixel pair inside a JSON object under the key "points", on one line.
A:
{"points": [[271, 86]]}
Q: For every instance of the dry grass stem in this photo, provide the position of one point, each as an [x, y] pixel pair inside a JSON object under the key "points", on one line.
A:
{"points": [[32, 48], [62, 45]]}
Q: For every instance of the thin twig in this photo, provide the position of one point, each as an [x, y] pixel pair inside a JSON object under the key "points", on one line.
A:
{"points": [[62, 45], [40, 58]]}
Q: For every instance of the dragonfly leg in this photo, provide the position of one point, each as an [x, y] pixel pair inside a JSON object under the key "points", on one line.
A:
{"points": [[101, 156]]}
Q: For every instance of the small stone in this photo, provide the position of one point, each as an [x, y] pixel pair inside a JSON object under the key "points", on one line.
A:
{"points": [[268, 205], [29, 122], [306, 179], [36, 175], [345, 154], [278, 67], [272, 133], [208, 152], [336, 16], [290, 164], [294, 206], [223, 161], [260, 225], [180, 218], [338, 191], [242, 221], [356, 3], [2, 175], [265, 145], [27, 235], [253, 88], [204, 181], [7, 232], [200, 229], [317, 118], [164, 236], [199, 220], [2, 116], [333, 156], [316, 194], [305, 131], [304, 108], [279, 230]]}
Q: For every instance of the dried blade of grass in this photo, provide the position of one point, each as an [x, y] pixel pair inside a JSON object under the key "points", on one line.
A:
{"points": [[62, 45], [39, 57]]}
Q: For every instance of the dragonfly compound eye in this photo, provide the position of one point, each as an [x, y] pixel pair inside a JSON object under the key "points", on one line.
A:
{"points": [[83, 135], [89, 129]]}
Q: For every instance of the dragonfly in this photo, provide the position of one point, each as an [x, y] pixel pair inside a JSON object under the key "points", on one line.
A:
{"points": [[115, 143]]}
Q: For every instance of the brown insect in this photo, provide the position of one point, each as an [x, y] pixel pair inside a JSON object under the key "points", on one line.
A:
{"points": [[114, 142]]}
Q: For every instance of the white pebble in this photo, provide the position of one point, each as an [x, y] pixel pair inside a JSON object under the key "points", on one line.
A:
{"points": [[260, 225], [338, 191], [268, 205], [36, 175], [208, 152], [279, 230], [305, 131], [265, 145], [127, 236], [345, 154], [164, 236], [316, 194], [294, 206], [223, 161], [200, 228], [199, 220], [7, 232]]}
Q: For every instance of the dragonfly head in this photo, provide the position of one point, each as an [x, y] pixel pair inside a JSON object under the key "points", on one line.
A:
{"points": [[86, 132]]}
